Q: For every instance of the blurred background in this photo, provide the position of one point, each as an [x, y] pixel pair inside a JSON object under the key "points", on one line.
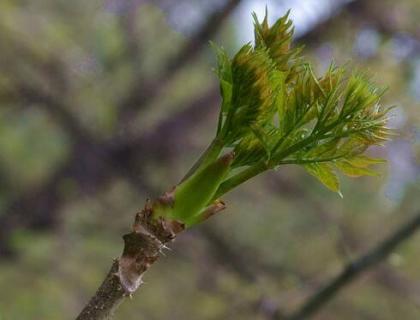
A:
{"points": [[105, 103]]}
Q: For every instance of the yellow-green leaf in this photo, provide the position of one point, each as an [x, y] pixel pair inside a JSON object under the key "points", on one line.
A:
{"points": [[324, 172], [352, 171], [226, 92], [363, 161]]}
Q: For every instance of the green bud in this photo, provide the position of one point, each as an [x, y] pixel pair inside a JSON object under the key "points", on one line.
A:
{"points": [[278, 40]]}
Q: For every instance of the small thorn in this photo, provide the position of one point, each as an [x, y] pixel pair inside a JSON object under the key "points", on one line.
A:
{"points": [[162, 248], [166, 248]]}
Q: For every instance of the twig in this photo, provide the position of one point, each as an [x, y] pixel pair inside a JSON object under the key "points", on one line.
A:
{"points": [[213, 23], [354, 269]]}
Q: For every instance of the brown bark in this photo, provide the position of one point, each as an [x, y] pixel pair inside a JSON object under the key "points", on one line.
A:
{"points": [[108, 297], [142, 247]]}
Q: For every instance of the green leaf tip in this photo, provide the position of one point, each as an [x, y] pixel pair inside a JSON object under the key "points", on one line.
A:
{"points": [[324, 172]]}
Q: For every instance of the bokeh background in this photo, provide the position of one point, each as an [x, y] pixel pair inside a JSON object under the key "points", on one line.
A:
{"points": [[105, 103]]}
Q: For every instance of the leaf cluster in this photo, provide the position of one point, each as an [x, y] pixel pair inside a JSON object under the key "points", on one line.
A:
{"points": [[275, 110]]}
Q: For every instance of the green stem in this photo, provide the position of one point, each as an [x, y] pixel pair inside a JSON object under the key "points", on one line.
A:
{"points": [[240, 178], [297, 146], [209, 155], [306, 161], [251, 172]]}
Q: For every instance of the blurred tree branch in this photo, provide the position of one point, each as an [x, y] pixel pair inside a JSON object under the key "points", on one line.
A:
{"points": [[354, 269], [58, 109], [93, 166], [315, 35], [127, 22], [347, 243], [144, 91], [50, 92]]}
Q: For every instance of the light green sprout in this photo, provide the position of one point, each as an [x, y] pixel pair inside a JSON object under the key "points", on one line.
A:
{"points": [[276, 111]]}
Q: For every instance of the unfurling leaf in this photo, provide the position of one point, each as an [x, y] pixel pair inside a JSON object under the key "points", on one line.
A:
{"points": [[275, 111]]}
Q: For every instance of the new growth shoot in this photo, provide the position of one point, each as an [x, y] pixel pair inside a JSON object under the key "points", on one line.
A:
{"points": [[276, 111]]}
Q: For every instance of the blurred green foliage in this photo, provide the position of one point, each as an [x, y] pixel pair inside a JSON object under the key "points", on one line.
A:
{"points": [[289, 233]]}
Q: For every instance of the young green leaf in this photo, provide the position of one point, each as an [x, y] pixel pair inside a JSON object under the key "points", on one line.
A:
{"points": [[350, 170], [362, 161], [275, 111], [324, 172]]}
